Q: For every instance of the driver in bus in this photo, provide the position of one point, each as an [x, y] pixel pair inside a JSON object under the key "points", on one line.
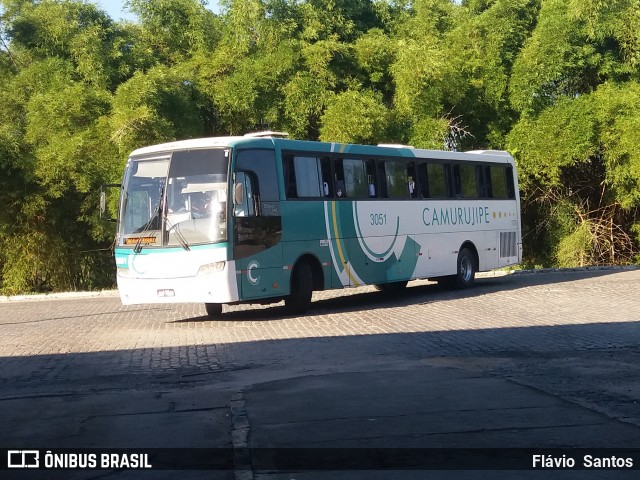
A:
{"points": [[200, 203]]}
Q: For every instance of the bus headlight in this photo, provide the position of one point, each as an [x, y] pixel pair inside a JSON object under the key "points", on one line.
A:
{"points": [[211, 268], [123, 272]]}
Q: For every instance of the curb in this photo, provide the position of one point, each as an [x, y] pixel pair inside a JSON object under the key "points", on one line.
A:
{"points": [[575, 269], [57, 296]]}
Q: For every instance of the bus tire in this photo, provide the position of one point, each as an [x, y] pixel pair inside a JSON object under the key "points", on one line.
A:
{"points": [[465, 271], [299, 299], [392, 287], [214, 310]]}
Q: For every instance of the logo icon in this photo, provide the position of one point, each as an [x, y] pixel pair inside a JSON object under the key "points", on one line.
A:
{"points": [[252, 280], [23, 458]]}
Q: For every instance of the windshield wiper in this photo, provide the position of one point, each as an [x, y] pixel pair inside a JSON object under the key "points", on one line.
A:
{"points": [[138, 246], [178, 233], [158, 217]]}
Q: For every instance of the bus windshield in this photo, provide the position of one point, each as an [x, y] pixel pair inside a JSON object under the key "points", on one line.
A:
{"points": [[175, 199]]}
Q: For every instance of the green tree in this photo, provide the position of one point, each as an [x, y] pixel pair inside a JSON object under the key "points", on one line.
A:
{"points": [[60, 60], [426, 81], [157, 106], [483, 46], [355, 117], [575, 84], [172, 31]]}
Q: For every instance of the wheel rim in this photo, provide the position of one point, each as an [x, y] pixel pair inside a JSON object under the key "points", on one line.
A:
{"points": [[466, 269]]}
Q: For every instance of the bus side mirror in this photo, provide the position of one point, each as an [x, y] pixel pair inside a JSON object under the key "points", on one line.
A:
{"points": [[238, 193]]}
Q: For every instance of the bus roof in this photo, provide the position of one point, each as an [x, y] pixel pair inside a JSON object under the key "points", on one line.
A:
{"points": [[261, 141]]}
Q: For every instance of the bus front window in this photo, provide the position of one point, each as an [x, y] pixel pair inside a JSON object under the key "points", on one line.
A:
{"points": [[141, 204], [197, 210], [197, 197], [178, 199]]}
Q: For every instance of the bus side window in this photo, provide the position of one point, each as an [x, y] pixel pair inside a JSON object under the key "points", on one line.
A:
{"points": [[355, 178], [423, 180], [396, 179], [438, 176], [372, 178], [411, 180], [457, 182], [465, 181], [327, 182], [502, 181], [483, 182], [289, 177], [338, 169], [488, 184], [511, 189], [262, 164], [382, 180], [449, 182], [308, 177]]}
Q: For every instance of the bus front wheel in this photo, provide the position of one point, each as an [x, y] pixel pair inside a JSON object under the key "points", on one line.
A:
{"points": [[301, 290], [214, 310]]}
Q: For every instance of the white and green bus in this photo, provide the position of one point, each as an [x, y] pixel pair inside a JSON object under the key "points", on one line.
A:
{"points": [[260, 218]]}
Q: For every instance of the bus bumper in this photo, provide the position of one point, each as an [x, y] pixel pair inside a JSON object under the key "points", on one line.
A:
{"points": [[208, 286]]}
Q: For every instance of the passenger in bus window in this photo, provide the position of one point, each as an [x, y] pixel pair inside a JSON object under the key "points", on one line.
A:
{"points": [[200, 205], [412, 186]]}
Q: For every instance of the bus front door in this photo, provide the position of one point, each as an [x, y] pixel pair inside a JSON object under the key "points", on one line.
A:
{"points": [[256, 241]]}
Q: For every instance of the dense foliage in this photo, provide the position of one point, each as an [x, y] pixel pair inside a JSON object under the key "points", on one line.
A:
{"points": [[555, 82]]}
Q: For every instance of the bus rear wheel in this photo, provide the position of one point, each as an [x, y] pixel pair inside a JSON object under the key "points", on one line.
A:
{"points": [[301, 290], [214, 310], [465, 271]]}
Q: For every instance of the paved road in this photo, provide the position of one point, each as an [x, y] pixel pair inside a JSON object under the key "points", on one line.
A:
{"points": [[538, 360]]}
